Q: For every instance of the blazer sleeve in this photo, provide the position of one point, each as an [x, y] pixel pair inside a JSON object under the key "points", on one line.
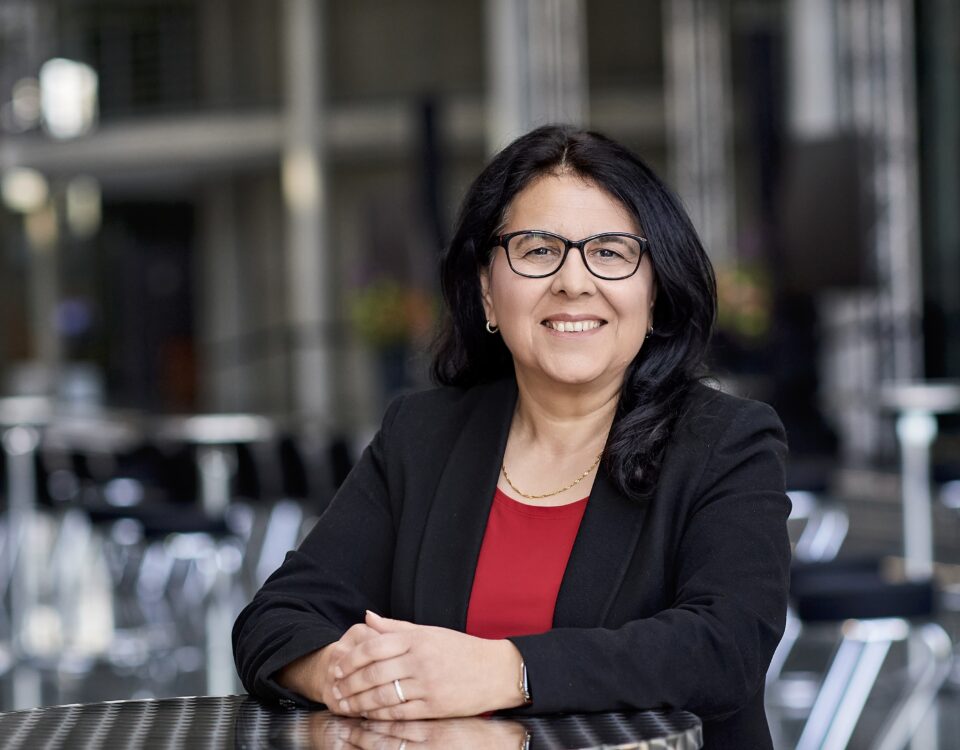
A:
{"points": [[322, 588], [709, 651]]}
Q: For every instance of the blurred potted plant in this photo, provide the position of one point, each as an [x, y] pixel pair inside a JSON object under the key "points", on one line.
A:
{"points": [[744, 318], [392, 318], [743, 294]]}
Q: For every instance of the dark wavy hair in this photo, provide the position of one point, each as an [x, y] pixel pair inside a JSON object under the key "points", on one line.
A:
{"points": [[671, 359]]}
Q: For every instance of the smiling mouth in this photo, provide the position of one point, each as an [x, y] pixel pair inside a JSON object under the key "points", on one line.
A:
{"points": [[566, 326]]}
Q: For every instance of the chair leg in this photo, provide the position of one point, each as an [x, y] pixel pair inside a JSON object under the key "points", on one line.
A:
{"points": [[919, 695], [861, 683], [221, 672], [790, 635], [844, 690], [281, 535]]}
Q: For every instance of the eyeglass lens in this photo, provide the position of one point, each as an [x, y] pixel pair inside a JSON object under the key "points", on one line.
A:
{"points": [[610, 256]]}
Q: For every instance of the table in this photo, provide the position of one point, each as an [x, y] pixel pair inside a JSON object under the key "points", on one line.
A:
{"points": [[917, 405], [215, 437], [212, 723]]}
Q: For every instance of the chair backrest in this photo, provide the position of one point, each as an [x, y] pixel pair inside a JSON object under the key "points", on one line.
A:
{"points": [[823, 526]]}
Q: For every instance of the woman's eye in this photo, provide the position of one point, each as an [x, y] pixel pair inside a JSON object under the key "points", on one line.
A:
{"points": [[605, 253], [541, 252]]}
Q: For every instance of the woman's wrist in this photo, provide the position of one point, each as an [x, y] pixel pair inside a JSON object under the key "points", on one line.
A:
{"points": [[305, 675], [509, 676]]}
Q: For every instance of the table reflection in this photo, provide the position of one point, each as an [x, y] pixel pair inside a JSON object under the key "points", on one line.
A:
{"points": [[235, 722], [337, 733], [299, 730]]}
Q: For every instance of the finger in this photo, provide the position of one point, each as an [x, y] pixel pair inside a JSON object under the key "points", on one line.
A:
{"points": [[376, 673], [385, 624], [381, 696], [354, 636], [382, 647], [358, 634], [340, 708], [414, 709]]}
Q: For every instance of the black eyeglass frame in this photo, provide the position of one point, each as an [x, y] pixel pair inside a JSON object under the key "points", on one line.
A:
{"points": [[504, 239]]}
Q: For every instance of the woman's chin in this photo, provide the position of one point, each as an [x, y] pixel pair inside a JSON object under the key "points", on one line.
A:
{"points": [[574, 377]]}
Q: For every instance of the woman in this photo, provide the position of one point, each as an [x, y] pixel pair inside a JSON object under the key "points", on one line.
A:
{"points": [[575, 522]]}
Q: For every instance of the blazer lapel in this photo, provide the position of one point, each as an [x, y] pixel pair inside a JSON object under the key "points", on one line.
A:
{"points": [[600, 557], [458, 515]]}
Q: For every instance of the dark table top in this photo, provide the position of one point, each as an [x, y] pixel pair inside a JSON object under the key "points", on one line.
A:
{"points": [[241, 722]]}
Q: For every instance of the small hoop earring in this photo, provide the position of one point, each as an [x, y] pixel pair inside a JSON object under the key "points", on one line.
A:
{"points": [[649, 332], [492, 329]]}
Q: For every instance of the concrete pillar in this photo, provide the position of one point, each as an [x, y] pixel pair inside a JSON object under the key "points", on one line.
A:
{"points": [[876, 50], [304, 191], [898, 189], [536, 66], [700, 118], [812, 68], [224, 383], [851, 71]]}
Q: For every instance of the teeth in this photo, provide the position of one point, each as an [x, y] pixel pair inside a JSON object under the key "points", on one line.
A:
{"points": [[580, 325]]}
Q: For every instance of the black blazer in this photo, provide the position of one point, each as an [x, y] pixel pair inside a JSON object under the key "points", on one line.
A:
{"points": [[679, 601]]}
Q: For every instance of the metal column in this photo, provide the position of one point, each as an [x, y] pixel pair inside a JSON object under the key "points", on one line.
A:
{"points": [[536, 66], [700, 118], [305, 196], [878, 99]]}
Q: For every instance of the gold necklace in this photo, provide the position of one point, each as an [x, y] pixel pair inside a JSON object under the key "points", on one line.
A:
{"points": [[574, 483]]}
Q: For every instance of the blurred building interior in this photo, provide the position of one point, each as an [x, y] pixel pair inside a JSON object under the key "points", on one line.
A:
{"points": [[219, 231]]}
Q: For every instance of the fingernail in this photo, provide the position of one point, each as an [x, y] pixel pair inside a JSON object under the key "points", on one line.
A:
{"points": [[336, 693], [337, 672], [344, 706]]}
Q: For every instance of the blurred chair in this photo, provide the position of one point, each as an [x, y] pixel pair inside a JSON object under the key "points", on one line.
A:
{"points": [[827, 591], [170, 535], [873, 613], [155, 533], [818, 525], [22, 421], [195, 551], [949, 497], [313, 463]]}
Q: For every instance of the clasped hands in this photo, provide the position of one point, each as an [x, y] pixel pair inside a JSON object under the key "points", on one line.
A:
{"points": [[441, 672]]}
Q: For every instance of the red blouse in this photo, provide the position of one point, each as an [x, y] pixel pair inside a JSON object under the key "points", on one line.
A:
{"points": [[522, 560]]}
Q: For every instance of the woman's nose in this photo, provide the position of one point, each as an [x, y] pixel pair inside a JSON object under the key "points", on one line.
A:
{"points": [[573, 277]]}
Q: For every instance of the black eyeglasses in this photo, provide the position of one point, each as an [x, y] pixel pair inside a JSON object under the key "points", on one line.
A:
{"points": [[536, 254]]}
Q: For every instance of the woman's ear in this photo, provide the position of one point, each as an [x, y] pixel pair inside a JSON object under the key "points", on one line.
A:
{"points": [[485, 296]]}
